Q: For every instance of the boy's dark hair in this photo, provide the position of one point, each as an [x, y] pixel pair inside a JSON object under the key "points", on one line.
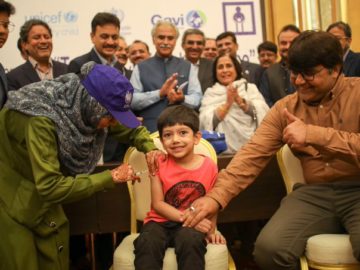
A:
{"points": [[313, 48], [26, 28], [233, 60], [103, 18], [343, 26], [225, 35], [7, 7], [267, 46], [178, 114]]}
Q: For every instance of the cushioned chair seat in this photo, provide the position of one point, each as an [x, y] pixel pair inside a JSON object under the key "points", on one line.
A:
{"points": [[216, 256], [330, 249]]}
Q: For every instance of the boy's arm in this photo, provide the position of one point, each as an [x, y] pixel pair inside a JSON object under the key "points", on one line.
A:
{"points": [[159, 205]]}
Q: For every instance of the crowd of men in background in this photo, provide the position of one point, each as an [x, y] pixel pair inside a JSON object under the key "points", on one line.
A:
{"points": [[159, 78]]}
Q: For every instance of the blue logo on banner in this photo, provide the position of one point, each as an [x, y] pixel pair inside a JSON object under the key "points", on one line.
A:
{"points": [[70, 17], [196, 18], [55, 18]]}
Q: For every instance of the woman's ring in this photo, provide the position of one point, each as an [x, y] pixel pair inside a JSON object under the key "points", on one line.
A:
{"points": [[192, 208]]}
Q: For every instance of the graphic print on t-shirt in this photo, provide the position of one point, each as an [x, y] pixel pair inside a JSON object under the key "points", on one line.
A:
{"points": [[184, 193]]}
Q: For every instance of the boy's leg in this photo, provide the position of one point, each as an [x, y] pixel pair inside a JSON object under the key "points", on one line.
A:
{"points": [[190, 248], [150, 247], [307, 211]]}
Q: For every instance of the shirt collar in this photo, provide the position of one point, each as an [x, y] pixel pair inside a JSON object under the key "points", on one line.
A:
{"points": [[105, 61], [35, 63]]}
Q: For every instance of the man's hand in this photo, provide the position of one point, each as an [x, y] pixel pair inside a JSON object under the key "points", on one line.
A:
{"points": [[204, 207], [175, 96], [168, 85], [152, 158], [295, 133]]}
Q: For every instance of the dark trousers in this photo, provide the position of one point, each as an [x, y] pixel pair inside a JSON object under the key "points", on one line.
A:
{"points": [[155, 238], [309, 210]]}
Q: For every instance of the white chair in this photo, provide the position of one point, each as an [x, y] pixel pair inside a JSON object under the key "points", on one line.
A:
{"points": [[323, 251], [217, 257]]}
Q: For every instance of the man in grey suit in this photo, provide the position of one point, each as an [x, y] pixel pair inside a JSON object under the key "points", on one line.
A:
{"points": [[36, 39], [6, 9], [193, 43], [226, 43]]}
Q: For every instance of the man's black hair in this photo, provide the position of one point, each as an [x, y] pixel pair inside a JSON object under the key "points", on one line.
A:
{"points": [[313, 48], [102, 18]]}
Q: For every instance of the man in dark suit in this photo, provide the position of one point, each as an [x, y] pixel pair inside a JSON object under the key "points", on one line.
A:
{"points": [[226, 43], [342, 31], [6, 9], [193, 42], [275, 81], [36, 39], [105, 33]]}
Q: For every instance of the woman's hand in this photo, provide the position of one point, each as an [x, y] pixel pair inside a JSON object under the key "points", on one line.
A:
{"points": [[152, 159], [242, 103], [231, 94], [124, 173]]}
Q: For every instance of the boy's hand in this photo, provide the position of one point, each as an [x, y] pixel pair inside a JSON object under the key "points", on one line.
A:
{"points": [[215, 238], [152, 158], [204, 226]]}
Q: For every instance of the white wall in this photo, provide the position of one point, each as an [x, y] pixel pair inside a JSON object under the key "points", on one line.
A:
{"points": [[70, 23]]}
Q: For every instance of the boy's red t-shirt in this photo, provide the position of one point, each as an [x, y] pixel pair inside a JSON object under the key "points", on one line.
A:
{"points": [[181, 187]]}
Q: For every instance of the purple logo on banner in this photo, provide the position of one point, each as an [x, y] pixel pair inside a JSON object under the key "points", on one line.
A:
{"points": [[239, 18]]}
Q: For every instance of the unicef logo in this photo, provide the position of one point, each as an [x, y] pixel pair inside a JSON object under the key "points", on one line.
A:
{"points": [[70, 17], [196, 18]]}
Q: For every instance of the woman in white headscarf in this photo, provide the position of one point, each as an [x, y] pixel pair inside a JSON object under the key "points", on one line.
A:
{"points": [[51, 137], [232, 105]]}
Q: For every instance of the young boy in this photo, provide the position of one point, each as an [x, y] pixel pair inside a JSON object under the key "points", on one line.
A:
{"points": [[182, 178]]}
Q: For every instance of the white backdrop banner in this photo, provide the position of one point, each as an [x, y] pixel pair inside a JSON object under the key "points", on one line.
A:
{"points": [[70, 21]]}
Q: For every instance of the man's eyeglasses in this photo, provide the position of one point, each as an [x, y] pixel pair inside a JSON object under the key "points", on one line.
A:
{"points": [[193, 42], [7, 25], [306, 75]]}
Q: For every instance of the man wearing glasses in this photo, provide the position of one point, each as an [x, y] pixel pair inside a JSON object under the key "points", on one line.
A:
{"points": [[320, 123], [6, 9], [193, 44], [342, 31]]}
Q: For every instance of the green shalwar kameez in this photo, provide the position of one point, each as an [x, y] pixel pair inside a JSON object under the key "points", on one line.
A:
{"points": [[34, 230]]}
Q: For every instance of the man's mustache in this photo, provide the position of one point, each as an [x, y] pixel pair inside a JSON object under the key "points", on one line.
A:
{"points": [[165, 46]]}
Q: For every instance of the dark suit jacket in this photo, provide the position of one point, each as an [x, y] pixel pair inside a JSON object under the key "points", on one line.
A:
{"points": [[205, 74], [76, 64], [351, 66], [26, 74], [3, 86], [113, 151], [249, 71]]}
